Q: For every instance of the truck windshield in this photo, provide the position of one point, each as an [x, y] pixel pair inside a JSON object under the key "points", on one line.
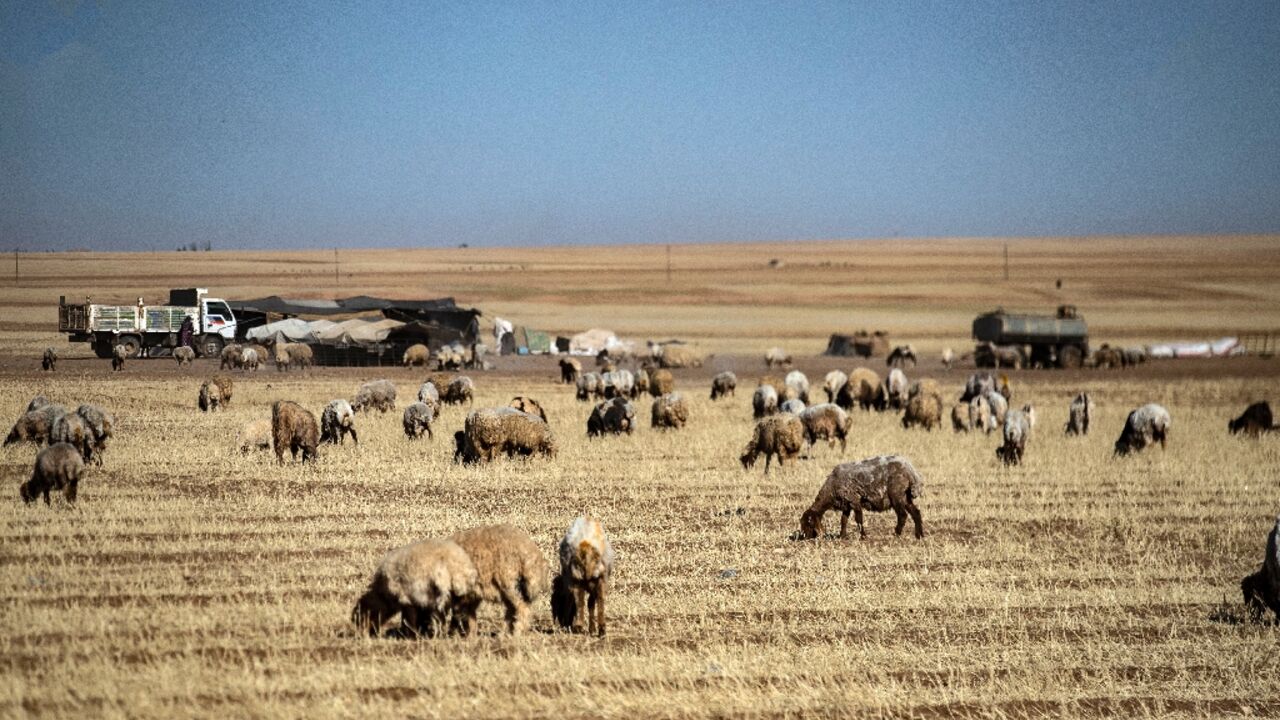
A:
{"points": [[218, 308]]}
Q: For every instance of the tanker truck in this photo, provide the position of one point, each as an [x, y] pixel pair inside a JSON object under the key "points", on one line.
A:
{"points": [[149, 330], [1023, 340]]}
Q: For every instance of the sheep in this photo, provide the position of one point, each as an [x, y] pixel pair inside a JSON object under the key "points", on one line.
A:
{"points": [[960, 420], [901, 356], [570, 369], [255, 435], [979, 383], [184, 355], [488, 431], [980, 415], [1107, 357], [263, 356], [589, 385], [1255, 420], [795, 406], [509, 568], [661, 382], [35, 425], [416, 354], [1133, 356], [642, 384], [294, 428], [417, 419], [229, 356], [1145, 426], [337, 422], [586, 562], [894, 389], [1005, 391], [764, 401], [776, 356], [429, 396], [679, 356], [1262, 589], [215, 393], [999, 407], [293, 355], [948, 358], [832, 383], [101, 426], [619, 383], [49, 360], [71, 428], [249, 360], [798, 384], [781, 435], [379, 395], [670, 411], [924, 405], [826, 421], [58, 467], [423, 582], [1079, 414], [1017, 430], [38, 402], [725, 383], [118, 355], [877, 484], [459, 390], [862, 389], [527, 404], [614, 416]]}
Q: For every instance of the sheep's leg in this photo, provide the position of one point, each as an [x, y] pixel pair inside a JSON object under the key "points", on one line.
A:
{"points": [[902, 519], [597, 608], [410, 622], [70, 491], [857, 518], [580, 607], [844, 523], [915, 518], [354, 439]]}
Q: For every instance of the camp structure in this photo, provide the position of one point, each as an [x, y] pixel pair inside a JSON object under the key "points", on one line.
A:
{"points": [[859, 344]]}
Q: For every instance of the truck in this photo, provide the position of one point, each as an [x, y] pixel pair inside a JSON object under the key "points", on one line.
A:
{"points": [[150, 330], [1059, 340]]}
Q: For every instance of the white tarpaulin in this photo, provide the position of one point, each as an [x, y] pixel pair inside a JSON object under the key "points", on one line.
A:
{"points": [[357, 332], [1218, 348], [594, 340], [291, 329]]}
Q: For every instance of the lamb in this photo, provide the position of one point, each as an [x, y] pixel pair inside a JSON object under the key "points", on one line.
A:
{"points": [[570, 369], [101, 426], [58, 467], [948, 358], [619, 383], [589, 385], [678, 356], [1145, 426], [780, 435], [614, 416], [670, 411], [423, 582], [255, 435], [488, 431], [35, 425], [459, 390], [924, 405], [1255, 420], [798, 384], [586, 562], [1079, 414], [764, 401], [379, 395], [826, 422], [862, 389], [894, 389], [70, 428], [1262, 589], [429, 396], [337, 422], [960, 418], [724, 384], [416, 355], [263, 356], [832, 383], [979, 383], [776, 356], [215, 393], [294, 428], [249, 359], [876, 484], [118, 355], [661, 382], [1017, 430], [509, 569], [795, 406], [417, 420], [229, 356], [184, 355], [981, 417], [527, 404], [49, 361], [901, 356]]}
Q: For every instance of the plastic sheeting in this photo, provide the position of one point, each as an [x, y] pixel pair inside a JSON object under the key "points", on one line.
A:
{"points": [[357, 332], [291, 329], [1221, 347]]}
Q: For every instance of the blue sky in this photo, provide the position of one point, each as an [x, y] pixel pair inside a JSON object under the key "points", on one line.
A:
{"points": [[137, 125]]}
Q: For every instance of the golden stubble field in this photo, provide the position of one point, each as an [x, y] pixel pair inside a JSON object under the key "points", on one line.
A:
{"points": [[191, 580]]}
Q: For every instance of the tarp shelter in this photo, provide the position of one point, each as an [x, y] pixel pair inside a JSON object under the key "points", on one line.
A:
{"points": [[450, 322], [860, 344], [592, 341], [291, 329]]}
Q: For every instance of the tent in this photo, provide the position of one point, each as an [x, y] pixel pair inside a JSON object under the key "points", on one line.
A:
{"points": [[291, 329]]}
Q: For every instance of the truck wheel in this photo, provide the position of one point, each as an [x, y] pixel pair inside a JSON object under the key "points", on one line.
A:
{"points": [[1070, 357], [132, 345], [102, 349], [210, 346]]}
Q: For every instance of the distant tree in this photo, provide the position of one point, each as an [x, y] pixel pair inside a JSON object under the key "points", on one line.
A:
{"points": [[208, 245]]}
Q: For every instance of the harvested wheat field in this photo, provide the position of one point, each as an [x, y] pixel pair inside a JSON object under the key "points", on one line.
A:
{"points": [[190, 579]]}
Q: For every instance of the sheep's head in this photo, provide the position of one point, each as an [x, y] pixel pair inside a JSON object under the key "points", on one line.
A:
{"points": [[748, 458], [810, 525]]}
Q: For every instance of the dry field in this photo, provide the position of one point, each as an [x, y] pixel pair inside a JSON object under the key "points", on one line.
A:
{"points": [[190, 580]]}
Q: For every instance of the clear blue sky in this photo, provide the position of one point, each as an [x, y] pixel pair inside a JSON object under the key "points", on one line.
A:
{"points": [[141, 125]]}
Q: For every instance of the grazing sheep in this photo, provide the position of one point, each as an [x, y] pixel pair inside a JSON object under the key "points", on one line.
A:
{"points": [[293, 355], [38, 402], [981, 417], [960, 421], [184, 355], [589, 385], [1262, 589], [619, 383], [255, 435], [776, 357], [901, 356], [795, 406], [988, 354], [379, 395], [1255, 420], [429, 396], [249, 359], [924, 405], [1006, 392], [49, 361], [101, 426], [423, 583], [229, 357], [459, 390], [670, 411], [586, 562], [488, 431], [876, 484], [570, 369], [723, 384], [999, 407], [417, 420], [337, 422], [416, 354], [1079, 414], [798, 384], [58, 467], [70, 428], [1107, 357], [614, 417], [510, 569], [764, 401], [118, 355], [781, 435], [264, 357], [527, 404], [832, 383], [215, 393], [35, 425], [661, 382], [1017, 430], [1133, 356], [894, 389], [294, 428], [679, 356], [948, 358], [862, 389], [978, 384], [826, 422], [1145, 426], [642, 384]]}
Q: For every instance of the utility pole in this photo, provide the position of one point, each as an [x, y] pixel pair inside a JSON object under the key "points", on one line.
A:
{"points": [[1006, 262], [337, 281], [668, 264]]}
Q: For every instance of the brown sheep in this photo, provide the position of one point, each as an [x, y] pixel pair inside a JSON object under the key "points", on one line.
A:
{"points": [[255, 435], [960, 421], [527, 404], [876, 484], [661, 382], [862, 389], [669, 411], [510, 569], [379, 395], [1262, 589], [71, 428], [294, 428], [776, 357], [724, 384], [101, 427], [459, 390], [924, 405], [570, 369], [416, 355], [423, 583], [119, 354], [826, 421], [679, 356], [781, 435], [49, 361], [229, 358], [488, 431], [58, 467], [184, 355], [586, 562], [215, 393], [35, 425]]}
